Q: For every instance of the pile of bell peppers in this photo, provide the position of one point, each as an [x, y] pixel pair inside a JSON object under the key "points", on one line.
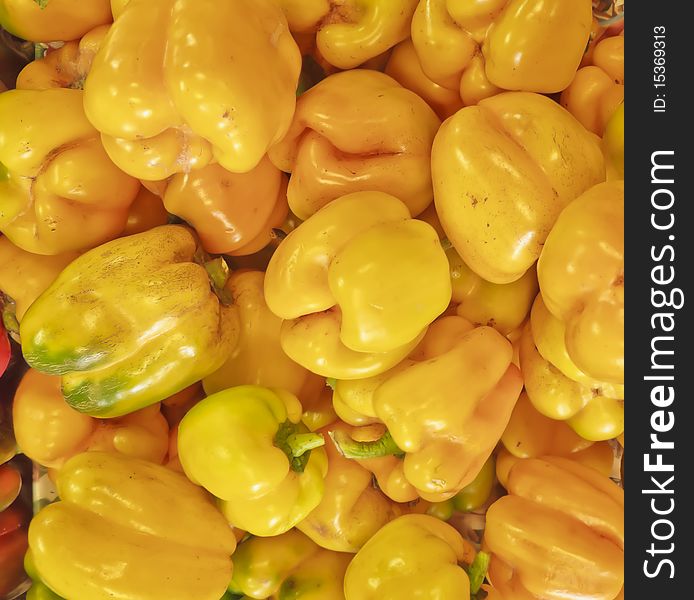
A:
{"points": [[313, 300]]}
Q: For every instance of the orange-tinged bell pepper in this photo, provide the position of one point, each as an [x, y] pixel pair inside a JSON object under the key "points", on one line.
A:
{"points": [[258, 358], [25, 276], [175, 85], [519, 159], [354, 131], [10, 485], [60, 191], [288, 567], [357, 284], [53, 20], [559, 532], [128, 528], [146, 212], [64, 67], [349, 33], [558, 389], [581, 275], [530, 434], [411, 557], [247, 446], [233, 213], [597, 89], [482, 48], [352, 509], [50, 432], [403, 66], [446, 412]]}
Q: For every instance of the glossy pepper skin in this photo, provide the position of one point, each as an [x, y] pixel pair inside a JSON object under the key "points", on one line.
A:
{"points": [[146, 212], [447, 411], [597, 89], [352, 509], [521, 158], [54, 20], [288, 567], [482, 48], [50, 432], [355, 131], [403, 66], [25, 276], [130, 323], [559, 532], [59, 189], [161, 58], [352, 32], [64, 67], [560, 390], [530, 434], [357, 284], [128, 528], [258, 358], [410, 557], [246, 445], [233, 213], [581, 275]]}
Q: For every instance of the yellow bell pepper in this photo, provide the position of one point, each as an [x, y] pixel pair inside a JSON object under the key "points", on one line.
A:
{"points": [[352, 509], [446, 412], [50, 432], [482, 48], [130, 529], [53, 20], [597, 89], [233, 213], [357, 284], [476, 493], [403, 66], [351, 32], [558, 389], [501, 306], [247, 446], [258, 358], [414, 556], [581, 275], [559, 533], [358, 131], [519, 159], [176, 85], [317, 401], [288, 567], [530, 434], [130, 323], [64, 67], [60, 191], [25, 276]]}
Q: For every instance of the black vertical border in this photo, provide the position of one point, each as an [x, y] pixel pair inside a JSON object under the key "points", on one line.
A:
{"points": [[646, 132]]}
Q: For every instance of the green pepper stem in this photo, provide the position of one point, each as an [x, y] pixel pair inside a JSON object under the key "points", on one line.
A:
{"points": [[349, 448], [296, 441], [302, 442], [478, 571], [218, 272]]}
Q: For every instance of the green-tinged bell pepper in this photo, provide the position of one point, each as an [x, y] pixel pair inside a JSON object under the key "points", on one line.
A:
{"points": [[131, 322], [288, 567], [248, 447]]}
